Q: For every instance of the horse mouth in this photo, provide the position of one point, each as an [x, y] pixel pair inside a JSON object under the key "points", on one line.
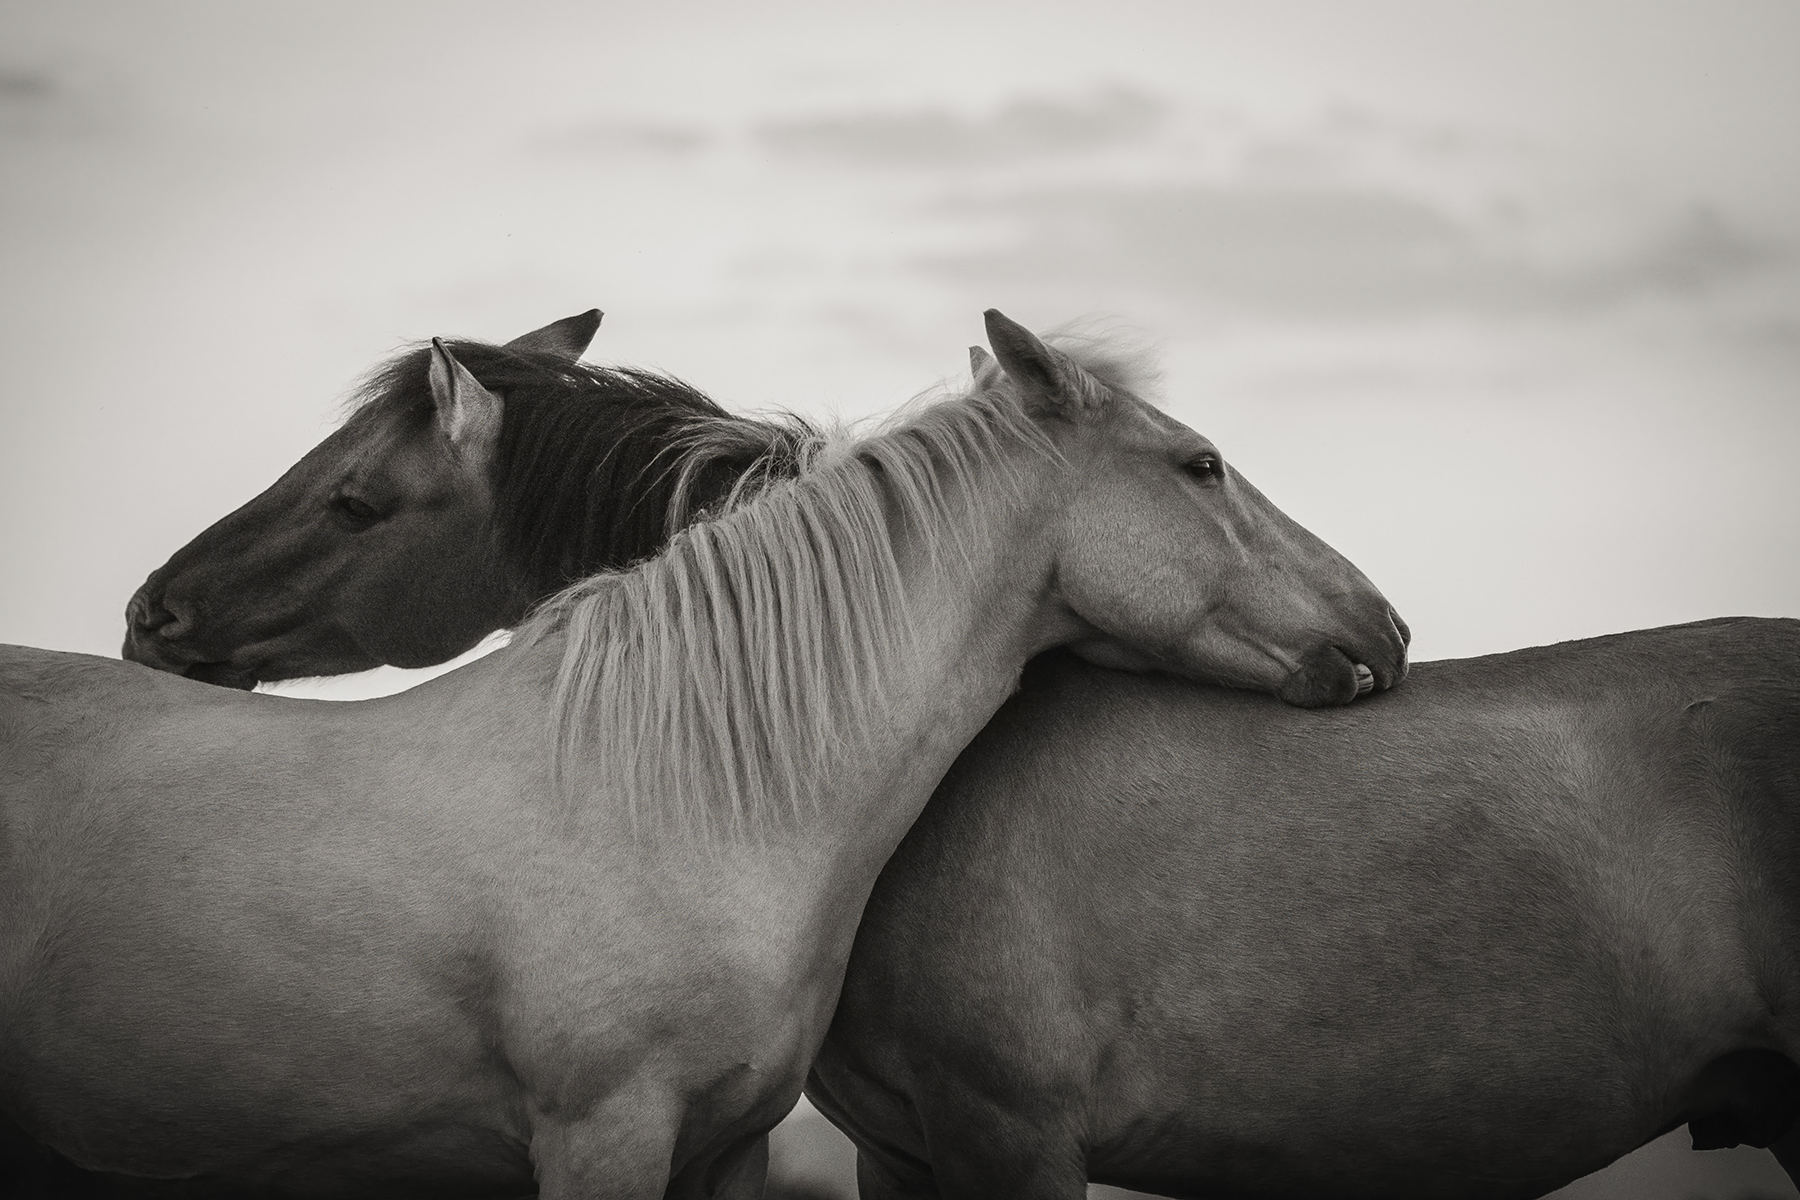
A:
{"points": [[1326, 678], [221, 674], [156, 653]]}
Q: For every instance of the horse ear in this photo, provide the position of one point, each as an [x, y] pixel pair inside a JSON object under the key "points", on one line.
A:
{"points": [[467, 413], [1047, 376], [568, 337], [982, 366]]}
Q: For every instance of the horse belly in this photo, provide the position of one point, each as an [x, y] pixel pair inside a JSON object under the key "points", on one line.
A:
{"points": [[172, 1091], [1428, 1130], [1483, 1061], [173, 1063]]}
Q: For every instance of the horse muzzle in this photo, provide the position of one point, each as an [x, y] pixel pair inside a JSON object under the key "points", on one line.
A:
{"points": [[153, 636], [1334, 674]]}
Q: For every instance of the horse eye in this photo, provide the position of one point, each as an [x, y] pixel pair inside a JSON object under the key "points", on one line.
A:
{"points": [[356, 510], [1204, 467]]}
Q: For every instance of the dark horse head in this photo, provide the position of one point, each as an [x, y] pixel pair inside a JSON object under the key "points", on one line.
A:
{"points": [[439, 513]]}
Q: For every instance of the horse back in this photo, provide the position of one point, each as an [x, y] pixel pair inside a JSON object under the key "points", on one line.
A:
{"points": [[49, 695]]}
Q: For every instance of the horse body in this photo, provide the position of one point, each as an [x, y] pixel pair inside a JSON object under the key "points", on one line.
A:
{"points": [[582, 910], [1477, 937], [337, 976]]}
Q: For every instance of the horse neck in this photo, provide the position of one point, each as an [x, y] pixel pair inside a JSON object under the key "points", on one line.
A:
{"points": [[986, 608], [972, 571]]}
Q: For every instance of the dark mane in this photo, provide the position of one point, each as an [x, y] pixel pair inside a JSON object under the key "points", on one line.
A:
{"points": [[596, 466]]}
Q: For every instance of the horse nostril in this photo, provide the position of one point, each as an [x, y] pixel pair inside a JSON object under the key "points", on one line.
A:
{"points": [[148, 615], [1401, 627], [144, 614]]}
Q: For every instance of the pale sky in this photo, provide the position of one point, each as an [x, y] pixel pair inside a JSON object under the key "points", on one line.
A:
{"points": [[1501, 299]]}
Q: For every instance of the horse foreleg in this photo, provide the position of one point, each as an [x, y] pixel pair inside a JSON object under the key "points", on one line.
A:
{"points": [[1015, 1174], [877, 1179], [599, 1156], [952, 1143], [986, 1153], [737, 1174]]}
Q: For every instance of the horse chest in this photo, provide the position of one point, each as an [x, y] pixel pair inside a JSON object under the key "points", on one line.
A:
{"points": [[634, 976]]}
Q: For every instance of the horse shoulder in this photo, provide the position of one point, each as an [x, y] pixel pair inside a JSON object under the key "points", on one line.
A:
{"points": [[1741, 755]]}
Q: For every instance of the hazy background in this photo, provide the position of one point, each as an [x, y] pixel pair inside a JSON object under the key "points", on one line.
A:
{"points": [[1501, 300]]}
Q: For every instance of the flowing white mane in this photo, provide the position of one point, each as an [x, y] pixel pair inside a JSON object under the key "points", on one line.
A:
{"points": [[718, 680]]}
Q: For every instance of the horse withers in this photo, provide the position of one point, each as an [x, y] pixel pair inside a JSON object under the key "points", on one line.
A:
{"points": [[579, 912]]}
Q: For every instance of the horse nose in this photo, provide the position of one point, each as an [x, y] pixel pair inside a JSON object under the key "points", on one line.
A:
{"points": [[1404, 631], [1380, 651], [150, 612], [152, 624], [145, 613]]}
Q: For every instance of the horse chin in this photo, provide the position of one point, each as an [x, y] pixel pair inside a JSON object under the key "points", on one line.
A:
{"points": [[1327, 678], [221, 674]]}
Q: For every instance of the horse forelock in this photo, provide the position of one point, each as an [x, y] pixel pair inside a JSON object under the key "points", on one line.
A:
{"points": [[595, 466], [1111, 355], [723, 677]]}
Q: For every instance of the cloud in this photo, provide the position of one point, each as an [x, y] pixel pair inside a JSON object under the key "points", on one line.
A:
{"points": [[607, 138], [47, 104], [32, 102], [1323, 252], [1024, 128], [24, 87]]}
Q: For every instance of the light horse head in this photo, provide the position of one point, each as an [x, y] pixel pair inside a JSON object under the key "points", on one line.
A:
{"points": [[1167, 556], [460, 492]]}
